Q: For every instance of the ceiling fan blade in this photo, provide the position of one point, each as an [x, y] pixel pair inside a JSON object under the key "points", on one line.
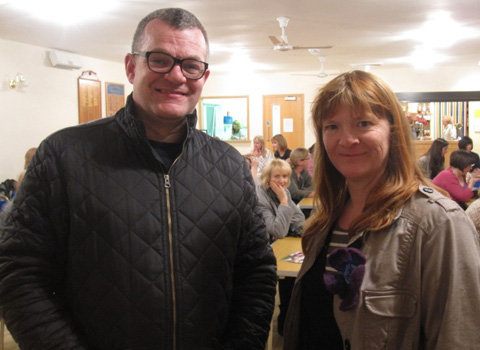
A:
{"points": [[277, 40], [310, 47]]}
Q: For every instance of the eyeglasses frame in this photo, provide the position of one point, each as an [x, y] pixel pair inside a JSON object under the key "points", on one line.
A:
{"points": [[176, 61]]}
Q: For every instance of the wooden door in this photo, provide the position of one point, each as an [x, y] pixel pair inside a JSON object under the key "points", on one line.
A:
{"points": [[284, 114]]}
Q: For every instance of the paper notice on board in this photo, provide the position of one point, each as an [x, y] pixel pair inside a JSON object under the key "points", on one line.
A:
{"points": [[276, 120], [476, 118], [288, 125]]}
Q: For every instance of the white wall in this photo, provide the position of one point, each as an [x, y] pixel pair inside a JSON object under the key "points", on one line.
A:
{"points": [[49, 101]]}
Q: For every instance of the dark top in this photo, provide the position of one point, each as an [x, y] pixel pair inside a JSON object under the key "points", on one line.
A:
{"points": [[167, 152], [318, 328], [285, 156]]}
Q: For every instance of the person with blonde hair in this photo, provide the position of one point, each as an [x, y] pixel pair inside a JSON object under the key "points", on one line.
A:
{"points": [[280, 147], [282, 218], [449, 132], [301, 185], [390, 263], [260, 152]]}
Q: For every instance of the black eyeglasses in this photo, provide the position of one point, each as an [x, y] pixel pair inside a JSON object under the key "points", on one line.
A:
{"points": [[160, 62]]}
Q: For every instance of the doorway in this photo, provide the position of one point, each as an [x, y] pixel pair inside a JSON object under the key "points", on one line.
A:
{"points": [[284, 114]]}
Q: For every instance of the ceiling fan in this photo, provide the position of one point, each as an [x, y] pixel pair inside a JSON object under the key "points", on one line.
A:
{"points": [[281, 42]]}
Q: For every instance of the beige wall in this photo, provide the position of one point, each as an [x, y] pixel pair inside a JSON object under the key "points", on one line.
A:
{"points": [[49, 101]]}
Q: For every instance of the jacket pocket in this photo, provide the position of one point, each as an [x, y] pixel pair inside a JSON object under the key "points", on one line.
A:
{"points": [[390, 319]]}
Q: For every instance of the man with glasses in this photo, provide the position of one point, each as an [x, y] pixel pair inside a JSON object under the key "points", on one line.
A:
{"points": [[138, 231]]}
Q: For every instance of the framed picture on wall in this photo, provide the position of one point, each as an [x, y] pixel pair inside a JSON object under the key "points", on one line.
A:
{"points": [[114, 98], [89, 97]]}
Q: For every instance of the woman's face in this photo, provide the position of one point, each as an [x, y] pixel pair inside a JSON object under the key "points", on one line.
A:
{"points": [[444, 150], [304, 163], [257, 145], [275, 145], [280, 177], [357, 145], [469, 147]]}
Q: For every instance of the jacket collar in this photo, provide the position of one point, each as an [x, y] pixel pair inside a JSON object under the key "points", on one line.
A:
{"points": [[135, 128]]}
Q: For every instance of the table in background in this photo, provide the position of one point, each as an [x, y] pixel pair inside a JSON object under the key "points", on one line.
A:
{"points": [[306, 206], [282, 248]]}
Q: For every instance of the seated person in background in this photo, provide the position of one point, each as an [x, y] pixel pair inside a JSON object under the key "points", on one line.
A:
{"points": [[8, 188], [466, 143], [282, 218], [453, 180], [433, 162], [28, 158], [280, 147], [300, 182], [473, 212], [262, 154]]}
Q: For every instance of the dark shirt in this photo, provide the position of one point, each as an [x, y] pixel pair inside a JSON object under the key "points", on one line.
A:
{"points": [[167, 152], [285, 156], [318, 328]]}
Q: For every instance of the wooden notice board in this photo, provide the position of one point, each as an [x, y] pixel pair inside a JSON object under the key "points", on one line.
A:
{"points": [[114, 98], [89, 97]]}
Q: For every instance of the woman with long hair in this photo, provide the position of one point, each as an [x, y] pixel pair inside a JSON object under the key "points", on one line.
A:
{"points": [[260, 152], [390, 261], [280, 147], [433, 161]]}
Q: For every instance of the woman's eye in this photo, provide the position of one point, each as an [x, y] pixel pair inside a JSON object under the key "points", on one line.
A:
{"points": [[330, 127], [364, 123]]}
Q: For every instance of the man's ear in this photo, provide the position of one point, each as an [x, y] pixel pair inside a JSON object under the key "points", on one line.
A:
{"points": [[130, 65]]}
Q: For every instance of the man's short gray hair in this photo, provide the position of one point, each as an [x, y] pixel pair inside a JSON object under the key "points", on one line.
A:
{"points": [[176, 17]]}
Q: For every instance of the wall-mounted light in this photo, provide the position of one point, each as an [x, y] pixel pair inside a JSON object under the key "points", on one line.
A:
{"points": [[18, 80]]}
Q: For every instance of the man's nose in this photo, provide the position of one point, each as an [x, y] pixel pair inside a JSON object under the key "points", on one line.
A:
{"points": [[175, 74]]}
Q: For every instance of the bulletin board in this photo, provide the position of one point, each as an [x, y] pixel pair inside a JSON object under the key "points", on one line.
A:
{"points": [[114, 98], [89, 97]]}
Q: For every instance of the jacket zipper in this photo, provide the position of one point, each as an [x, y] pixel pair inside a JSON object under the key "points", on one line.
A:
{"points": [[172, 270], [168, 185]]}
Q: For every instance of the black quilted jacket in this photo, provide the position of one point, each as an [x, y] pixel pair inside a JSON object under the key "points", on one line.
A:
{"points": [[103, 250]]}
